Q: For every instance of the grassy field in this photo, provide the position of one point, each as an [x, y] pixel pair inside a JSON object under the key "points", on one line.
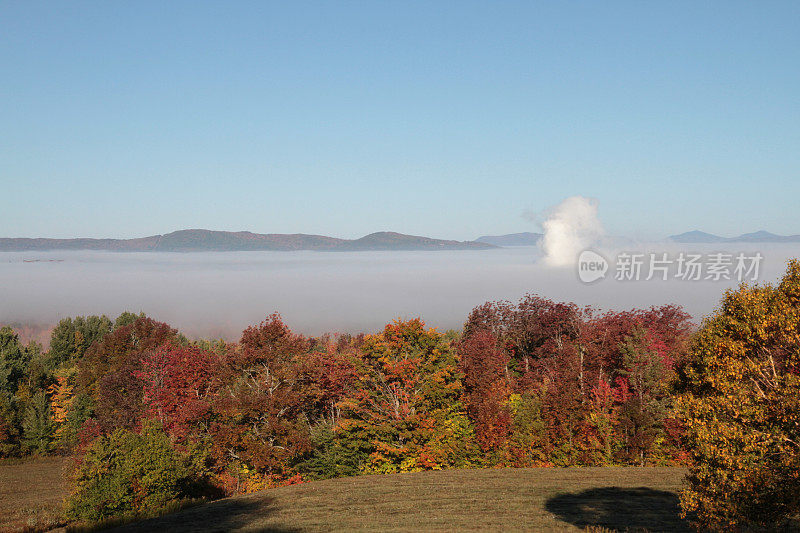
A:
{"points": [[31, 494], [545, 499]]}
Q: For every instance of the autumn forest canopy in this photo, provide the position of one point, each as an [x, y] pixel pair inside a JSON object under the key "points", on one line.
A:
{"points": [[152, 418]]}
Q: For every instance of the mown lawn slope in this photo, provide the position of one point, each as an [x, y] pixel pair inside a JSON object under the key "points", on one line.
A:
{"points": [[32, 493], [540, 499]]}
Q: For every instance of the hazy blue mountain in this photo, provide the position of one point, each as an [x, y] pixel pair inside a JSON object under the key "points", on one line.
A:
{"points": [[696, 236], [512, 239], [765, 236], [758, 236], [389, 240]]}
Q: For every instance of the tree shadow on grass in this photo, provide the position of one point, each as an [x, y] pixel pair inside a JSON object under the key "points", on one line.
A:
{"points": [[219, 516], [621, 509]]}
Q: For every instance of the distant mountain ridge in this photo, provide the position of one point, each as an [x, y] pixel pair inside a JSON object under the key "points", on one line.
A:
{"points": [[697, 236], [690, 237], [512, 239], [201, 240]]}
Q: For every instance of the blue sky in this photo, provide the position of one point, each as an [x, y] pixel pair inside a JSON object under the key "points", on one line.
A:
{"points": [[448, 119]]}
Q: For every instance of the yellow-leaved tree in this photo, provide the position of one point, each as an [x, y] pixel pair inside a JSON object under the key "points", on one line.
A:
{"points": [[740, 404]]}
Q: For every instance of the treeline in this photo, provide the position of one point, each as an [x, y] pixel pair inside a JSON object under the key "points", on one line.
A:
{"points": [[152, 417]]}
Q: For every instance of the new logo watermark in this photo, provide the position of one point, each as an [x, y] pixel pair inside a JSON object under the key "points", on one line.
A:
{"points": [[630, 266], [591, 266]]}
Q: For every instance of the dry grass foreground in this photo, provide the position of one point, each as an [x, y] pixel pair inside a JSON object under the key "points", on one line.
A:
{"points": [[32, 493], [541, 499]]}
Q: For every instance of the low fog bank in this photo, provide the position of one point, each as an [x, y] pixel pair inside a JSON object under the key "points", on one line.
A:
{"points": [[219, 294]]}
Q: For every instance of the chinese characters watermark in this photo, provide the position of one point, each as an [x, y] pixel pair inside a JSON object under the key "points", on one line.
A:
{"points": [[684, 266]]}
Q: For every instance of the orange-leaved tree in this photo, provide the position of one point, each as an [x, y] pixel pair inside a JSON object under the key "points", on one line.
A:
{"points": [[406, 408], [741, 408]]}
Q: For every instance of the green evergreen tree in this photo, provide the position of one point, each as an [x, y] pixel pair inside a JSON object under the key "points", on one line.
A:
{"points": [[13, 360], [37, 425]]}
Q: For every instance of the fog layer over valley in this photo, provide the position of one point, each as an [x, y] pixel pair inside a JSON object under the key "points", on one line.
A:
{"points": [[218, 294]]}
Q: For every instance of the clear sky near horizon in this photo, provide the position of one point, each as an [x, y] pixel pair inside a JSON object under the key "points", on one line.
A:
{"points": [[446, 119]]}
